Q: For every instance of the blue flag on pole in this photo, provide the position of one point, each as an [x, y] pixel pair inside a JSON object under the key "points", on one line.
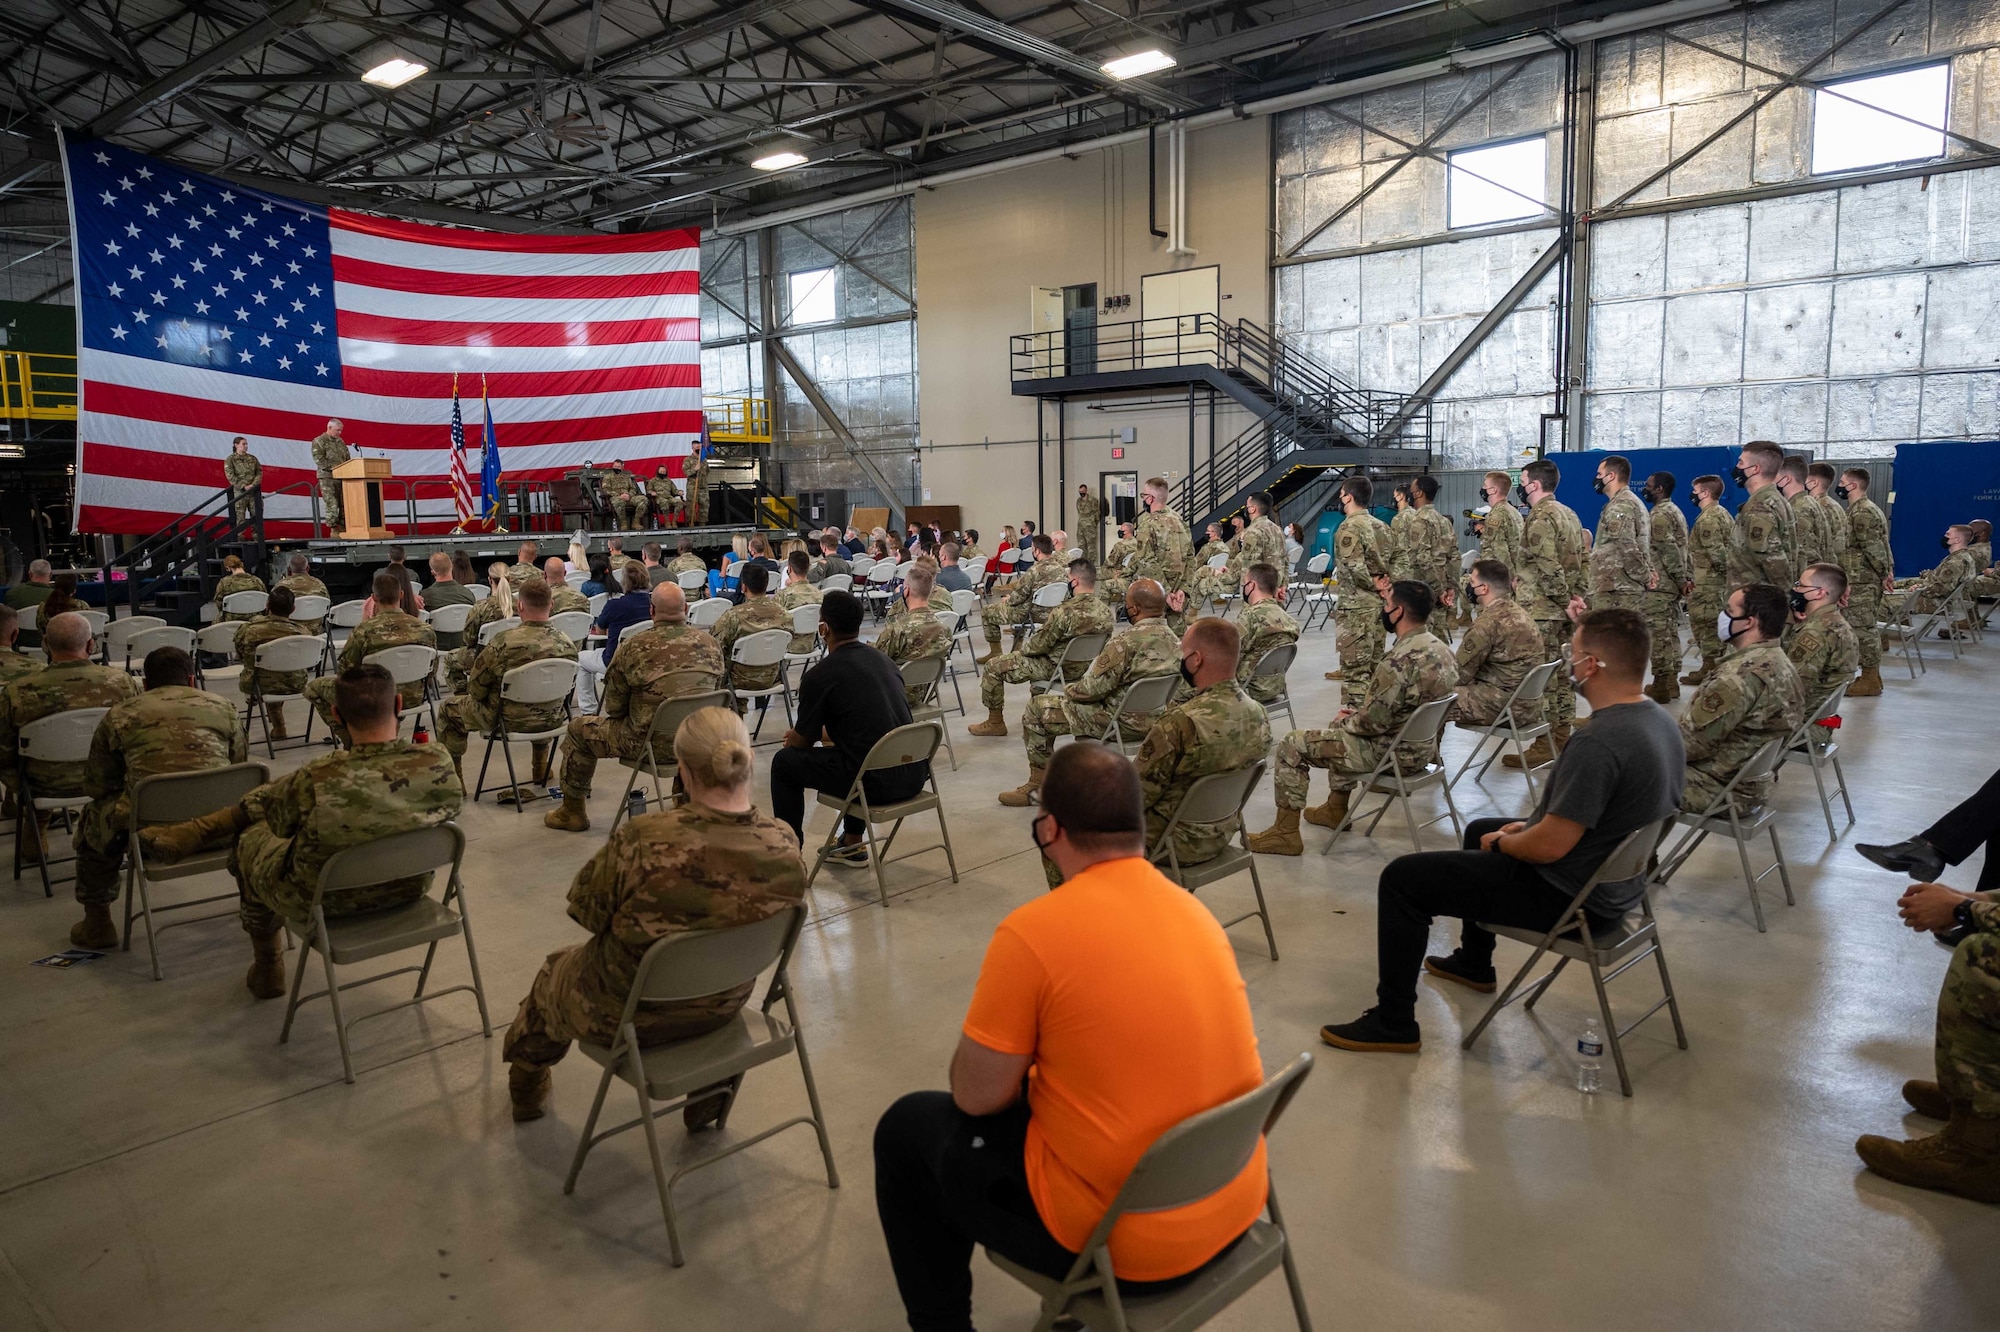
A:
{"points": [[489, 465]]}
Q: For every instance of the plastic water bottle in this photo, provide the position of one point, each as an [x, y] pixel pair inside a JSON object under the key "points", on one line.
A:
{"points": [[636, 805], [1589, 1050]]}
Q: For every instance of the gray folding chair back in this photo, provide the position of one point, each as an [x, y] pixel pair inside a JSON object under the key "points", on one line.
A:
{"points": [[532, 684], [1815, 740], [1723, 816], [1051, 595], [245, 603], [573, 625], [703, 614], [479, 591], [116, 638], [1422, 727], [411, 663], [927, 674], [62, 738], [1275, 664], [1217, 798], [99, 621], [694, 965], [175, 797], [693, 580], [1141, 703], [1072, 661], [805, 619], [656, 760], [219, 639], [766, 647], [450, 619], [1504, 729], [916, 742], [1187, 1163], [597, 602], [309, 608], [146, 640], [1609, 953], [346, 940], [492, 629], [282, 656]]}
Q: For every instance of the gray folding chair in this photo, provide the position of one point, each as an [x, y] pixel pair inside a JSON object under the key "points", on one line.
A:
{"points": [[448, 623], [1815, 740], [1908, 627], [1274, 664], [1217, 798], [300, 652], [1388, 780], [805, 624], [658, 759], [1138, 707], [1187, 1163], [927, 674], [693, 581], [573, 625], [837, 583], [164, 635], [1071, 662], [954, 625], [1619, 948], [537, 682], [309, 610], [176, 797], [215, 640], [492, 629], [346, 940], [695, 964], [766, 647], [1722, 816], [114, 639], [704, 614], [62, 738], [915, 743], [1534, 685], [245, 603], [411, 663], [344, 618]]}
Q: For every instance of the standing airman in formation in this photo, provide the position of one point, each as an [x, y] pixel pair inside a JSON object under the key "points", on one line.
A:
{"points": [[1871, 572], [1551, 577], [1668, 535], [245, 476], [1764, 548], [1812, 543], [1362, 552], [1709, 541], [1090, 524]]}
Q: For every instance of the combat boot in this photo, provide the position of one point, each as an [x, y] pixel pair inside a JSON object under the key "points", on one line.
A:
{"points": [[1332, 813], [995, 724], [1699, 673], [1558, 739], [569, 816], [1963, 1159], [1867, 685], [1023, 795], [528, 1089], [95, 930], [1335, 674], [544, 756], [1927, 1098], [1538, 754], [1282, 837], [1664, 689], [172, 842], [274, 718], [35, 836], [266, 977]]}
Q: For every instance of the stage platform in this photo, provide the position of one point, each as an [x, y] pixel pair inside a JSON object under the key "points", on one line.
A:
{"points": [[485, 547]]}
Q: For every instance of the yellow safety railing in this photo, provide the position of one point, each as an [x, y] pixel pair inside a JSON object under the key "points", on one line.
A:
{"points": [[37, 386], [733, 420]]}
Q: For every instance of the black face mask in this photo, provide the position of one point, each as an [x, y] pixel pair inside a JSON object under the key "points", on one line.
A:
{"points": [[1945, 542], [1739, 476], [1471, 596], [1388, 622], [1523, 489], [1840, 491], [1486, 496], [1035, 837], [1187, 674], [1798, 600], [1597, 484]]}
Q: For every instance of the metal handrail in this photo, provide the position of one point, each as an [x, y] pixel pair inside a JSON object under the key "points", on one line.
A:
{"points": [[37, 386]]}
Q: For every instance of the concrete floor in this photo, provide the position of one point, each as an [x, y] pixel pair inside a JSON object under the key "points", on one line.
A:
{"points": [[165, 1164]]}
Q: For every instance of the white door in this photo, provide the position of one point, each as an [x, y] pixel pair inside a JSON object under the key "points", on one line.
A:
{"points": [[1171, 308], [1045, 325]]}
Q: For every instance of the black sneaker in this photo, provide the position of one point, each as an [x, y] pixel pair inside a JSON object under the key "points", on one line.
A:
{"points": [[1371, 1031], [1456, 968], [856, 854], [1916, 857]]}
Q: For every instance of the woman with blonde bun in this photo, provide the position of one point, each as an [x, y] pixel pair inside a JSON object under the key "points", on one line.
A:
{"points": [[708, 863]]}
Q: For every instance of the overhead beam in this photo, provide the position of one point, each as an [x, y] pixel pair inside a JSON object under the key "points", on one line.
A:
{"points": [[168, 86]]}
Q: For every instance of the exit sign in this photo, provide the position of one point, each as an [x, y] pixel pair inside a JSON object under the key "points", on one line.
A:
{"points": [[1116, 454]]}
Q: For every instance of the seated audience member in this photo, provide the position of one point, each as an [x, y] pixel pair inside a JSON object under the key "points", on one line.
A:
{"points": [[389, 627], [14, 663], [650, 560], [1217, 728], [1115, 1001], [755, 614], [26, 597], [283, 834], [830, 561], [462, 572], [562, 597], [600, 581], [172, 727], [475, 711], [71, 680], [1935, 585], [1753, 697], [524, 566], [951, 577], [445, 590], [1819, 640], [499, 605], [708, 864], [685, 560], [850, 699], [632, 606], [1621, 772], [799, 590], [234, 580], [913, 632], [1497, 652], [1263, 625], [273, 623], [62, 600], [1972, 823], [968, 544]]}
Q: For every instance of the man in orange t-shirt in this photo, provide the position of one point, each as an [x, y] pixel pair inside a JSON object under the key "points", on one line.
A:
{"points": [[1115, 1003]]}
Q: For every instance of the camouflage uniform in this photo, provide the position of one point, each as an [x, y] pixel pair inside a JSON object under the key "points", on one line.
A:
{"points": [[1823, 651], [792, 596], [1937, 583], [1211, 549], [1437, 564], [14, 665], [563, 597], [228, 587], [1361, 554], [388, 627], [1502, 646], [1834, 519], [1551, 572], [1669, 548], [665, 495], [473, 712], [667, 661], [173, 729], [1116, 558], [337, 801], [1621, 556], [1708, 556], [663, 874], [1036, 659], [61, 686], [458, 662], [1163, 552], [1090, 526], [694, 474], [914, 636], [305, 585], [1263, 542], [1416, 670], [329, 452], [1404, 545], [245, 476], [1868, 563], [1753, 698], [753, 616], [621, 496], [1017, 604], [255, 633], [1500, 534], [688, 563], [1810, 539], [1765, 545], [1217, 729], [1262, 627], [1084, 707], [1968, 1016], [517, 574]]}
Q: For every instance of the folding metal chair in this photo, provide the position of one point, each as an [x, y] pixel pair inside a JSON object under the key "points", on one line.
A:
{"points": [[837, 583], [1908, 627], [573, 625], [1722, 816], [165, 635], [479, 591], [1046, 598], [537, 682], [597, 602], [1388, 780], [62, 738], [694, 582], [411, 663], [346, 940], [805, 623], [176, 797], [448, 623], [245, 603], [692, 965], [1273, 665], [703, 614], [1625, 945], [659, 750], [877, 593], [115, 640], [1506, 730], [492, 629], [1187, 1163], [766, 647], [301, 652], [952, 623], [915, 743], [1815, 740], [342, 618], [99, 621], [927, 674], [309, 610], [1217, 798], [1138, 705], [1077, 654]]}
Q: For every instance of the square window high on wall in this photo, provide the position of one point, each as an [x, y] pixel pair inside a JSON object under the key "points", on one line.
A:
{"points": [[1498, 183], [812, 297], [1880, 119]]}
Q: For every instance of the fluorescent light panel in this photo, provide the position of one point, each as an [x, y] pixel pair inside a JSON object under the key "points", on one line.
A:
{"points": [[394, 72], [1150, 61], [778, 161]]}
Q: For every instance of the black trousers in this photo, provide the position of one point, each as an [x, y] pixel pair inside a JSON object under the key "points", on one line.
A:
{"points": [[1974, 822], [1472, 885], [824, 768]]}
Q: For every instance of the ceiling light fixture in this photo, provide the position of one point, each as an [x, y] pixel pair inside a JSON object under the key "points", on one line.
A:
{"points": [[1150, 61], [778, 161], [390, 68]]}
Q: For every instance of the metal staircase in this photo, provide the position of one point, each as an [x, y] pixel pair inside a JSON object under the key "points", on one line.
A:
{"points": [[173, 572]]}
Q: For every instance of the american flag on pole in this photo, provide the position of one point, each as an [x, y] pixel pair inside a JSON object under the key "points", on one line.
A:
{"points": [[461, 494], [207, 310]]}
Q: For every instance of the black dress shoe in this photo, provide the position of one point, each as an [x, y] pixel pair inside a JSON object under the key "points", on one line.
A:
{"points": [[1372, 1032], [1916, 858]]}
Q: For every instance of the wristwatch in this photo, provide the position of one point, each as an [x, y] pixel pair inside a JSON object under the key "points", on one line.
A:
{"points": [[1961, 915]]}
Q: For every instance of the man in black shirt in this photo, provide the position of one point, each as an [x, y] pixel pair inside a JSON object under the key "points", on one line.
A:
{"points": [[851, 699], [1622, 772]]}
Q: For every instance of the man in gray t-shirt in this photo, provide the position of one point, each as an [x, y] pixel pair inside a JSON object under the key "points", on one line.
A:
{"points": [[1622, 772]]}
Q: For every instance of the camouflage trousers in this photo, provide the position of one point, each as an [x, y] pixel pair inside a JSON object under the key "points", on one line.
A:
{"points": [[329, 500], [269, 895], [459, 718], [1968, 1025], [591, 739], [1560, 701], [1011, 668], [1050, 715], [240, 503], [1704, 787], [1480, 704], [101, 842], [1194, 843], [996, 616], [1704, 604], [1663, 618], [1864, 615], [1358, 639], [319, 693], [565, 1004], [1346, 757], [627, 511]]}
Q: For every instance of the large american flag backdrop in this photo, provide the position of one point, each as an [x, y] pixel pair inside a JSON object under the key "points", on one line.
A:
{"points": [[206, 310]]}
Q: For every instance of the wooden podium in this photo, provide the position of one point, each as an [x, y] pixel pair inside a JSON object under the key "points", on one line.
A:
{"points": [[361, 498]]}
